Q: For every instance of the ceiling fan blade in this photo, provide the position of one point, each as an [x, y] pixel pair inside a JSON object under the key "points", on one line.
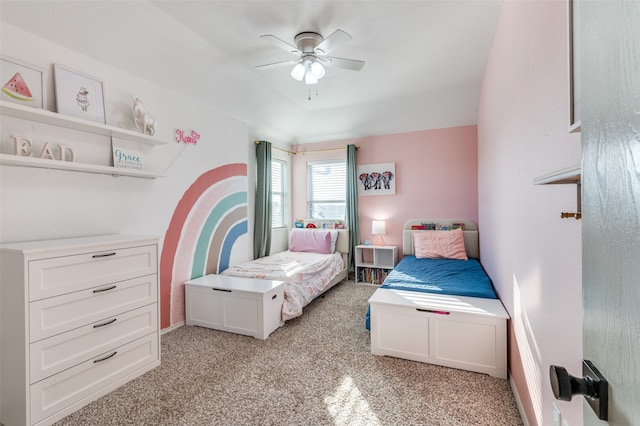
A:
{"points": [[349, 64], [281, 44], [277, 64], [334, 40]]}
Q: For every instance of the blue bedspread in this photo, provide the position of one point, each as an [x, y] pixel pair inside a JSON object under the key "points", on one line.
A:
{"points": [[444, 276], [440, 276]]}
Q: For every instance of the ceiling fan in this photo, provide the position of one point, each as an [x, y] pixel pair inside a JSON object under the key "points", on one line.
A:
{"points": [[311, 50]]}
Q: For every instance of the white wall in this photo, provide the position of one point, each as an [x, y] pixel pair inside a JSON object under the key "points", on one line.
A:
{"points": [[43, 204], [532, 255], [39, 203]]}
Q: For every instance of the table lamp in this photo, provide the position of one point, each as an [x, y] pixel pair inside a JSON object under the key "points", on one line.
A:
{"points": [[378, 229]]}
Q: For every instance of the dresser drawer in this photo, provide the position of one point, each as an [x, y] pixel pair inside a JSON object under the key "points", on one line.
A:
{"points": [[66, 274], [56, 315], [57, 353], [73, 385]]}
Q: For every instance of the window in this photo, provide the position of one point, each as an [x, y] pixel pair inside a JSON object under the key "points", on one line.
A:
{"points": [[327, 189], [278, 193]]}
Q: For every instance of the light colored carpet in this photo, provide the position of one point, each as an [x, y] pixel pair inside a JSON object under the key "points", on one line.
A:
{"points": [[316, 370]]}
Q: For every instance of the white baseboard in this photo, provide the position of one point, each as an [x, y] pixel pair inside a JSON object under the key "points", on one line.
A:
{"points": [[518, 402], [171, 328]]}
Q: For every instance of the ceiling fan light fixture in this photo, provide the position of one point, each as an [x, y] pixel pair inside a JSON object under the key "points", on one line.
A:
{"points": [[317, 70], [311, 49], [311, 70], [298, 72], [310, 79]]}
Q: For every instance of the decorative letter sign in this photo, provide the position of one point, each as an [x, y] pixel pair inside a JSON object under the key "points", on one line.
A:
{"points": [[189, 139], [47, 153], [63, 156], [23, 147]]}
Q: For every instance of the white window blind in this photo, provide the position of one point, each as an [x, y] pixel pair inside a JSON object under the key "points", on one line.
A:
{"points": [[327, 189], [278, 193]]}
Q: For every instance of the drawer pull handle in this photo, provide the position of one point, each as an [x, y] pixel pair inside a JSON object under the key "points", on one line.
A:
{"points": [[95, 256], [105, 358], [274, 296], [100, 290], [433, 312], [105, 323], [222, 289]]}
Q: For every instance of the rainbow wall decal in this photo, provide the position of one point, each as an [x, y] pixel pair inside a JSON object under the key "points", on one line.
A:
{"points": [[208, 220]]}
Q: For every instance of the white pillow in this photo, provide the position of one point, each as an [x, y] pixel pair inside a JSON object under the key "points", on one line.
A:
{"points": [[334, 238]]}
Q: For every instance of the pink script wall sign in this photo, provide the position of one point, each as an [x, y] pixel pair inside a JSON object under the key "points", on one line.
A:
{"points": [[191, 138]]}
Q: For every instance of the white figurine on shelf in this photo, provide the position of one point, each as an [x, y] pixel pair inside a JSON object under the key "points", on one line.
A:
{"points": [[144, 121]]}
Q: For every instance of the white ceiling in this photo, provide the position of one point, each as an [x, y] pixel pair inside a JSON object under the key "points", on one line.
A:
{"points": [[424, 59]]}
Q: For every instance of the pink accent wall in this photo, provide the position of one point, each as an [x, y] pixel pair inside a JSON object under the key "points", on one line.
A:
{"points": [[532, 255], [436, 177]]}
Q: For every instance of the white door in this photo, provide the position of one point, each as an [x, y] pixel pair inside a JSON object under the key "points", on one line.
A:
{"points": [[610, 71]]}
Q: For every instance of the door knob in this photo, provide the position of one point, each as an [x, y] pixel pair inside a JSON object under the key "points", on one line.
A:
{"points": [[593, 386], [564, 385]]}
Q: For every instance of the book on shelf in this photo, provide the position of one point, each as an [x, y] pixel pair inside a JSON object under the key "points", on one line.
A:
{"points": [[372, 275]]}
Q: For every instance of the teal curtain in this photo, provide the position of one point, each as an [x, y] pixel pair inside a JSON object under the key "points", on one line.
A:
{"points": [[352, 215], [262, 227]]}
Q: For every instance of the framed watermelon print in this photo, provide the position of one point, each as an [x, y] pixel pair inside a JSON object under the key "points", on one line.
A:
{"points": [[22, 83], [79, 95]]}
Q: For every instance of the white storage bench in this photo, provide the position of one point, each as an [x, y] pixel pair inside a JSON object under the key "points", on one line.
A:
{"points": [[246, 306], [468, 333]]}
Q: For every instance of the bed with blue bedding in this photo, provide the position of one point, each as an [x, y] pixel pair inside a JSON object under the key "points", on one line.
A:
{"points": [[443, 276], [441, 311], [439, 276]]}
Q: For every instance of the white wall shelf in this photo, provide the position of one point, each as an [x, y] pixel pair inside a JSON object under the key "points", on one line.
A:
{"points": [[568, 175], [15, 160], [61, 120]]}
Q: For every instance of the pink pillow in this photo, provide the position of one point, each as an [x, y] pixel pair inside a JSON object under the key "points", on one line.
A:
{"points": [[440, 244], [310, 240]]}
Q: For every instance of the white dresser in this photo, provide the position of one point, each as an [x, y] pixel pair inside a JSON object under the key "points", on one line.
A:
{"points": [[79, 318]]}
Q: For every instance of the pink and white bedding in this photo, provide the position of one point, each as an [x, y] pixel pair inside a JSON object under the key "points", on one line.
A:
{"points": [[306, 275]]}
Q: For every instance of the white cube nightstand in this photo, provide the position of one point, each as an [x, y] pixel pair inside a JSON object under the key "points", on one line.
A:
{"points": [[373, 263]]}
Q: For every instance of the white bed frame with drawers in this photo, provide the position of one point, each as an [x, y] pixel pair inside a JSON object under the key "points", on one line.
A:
{"points": [[468, 333]]}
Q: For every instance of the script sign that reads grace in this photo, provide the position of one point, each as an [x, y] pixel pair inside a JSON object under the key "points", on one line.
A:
{"points": [[188, 138]]}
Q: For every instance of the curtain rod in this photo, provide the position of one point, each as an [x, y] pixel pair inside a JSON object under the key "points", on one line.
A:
{"points": [[279, 149], [305, 152]]}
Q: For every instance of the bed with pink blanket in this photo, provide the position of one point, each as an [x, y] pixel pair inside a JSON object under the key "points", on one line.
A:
{"points": [[315, 262]]}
